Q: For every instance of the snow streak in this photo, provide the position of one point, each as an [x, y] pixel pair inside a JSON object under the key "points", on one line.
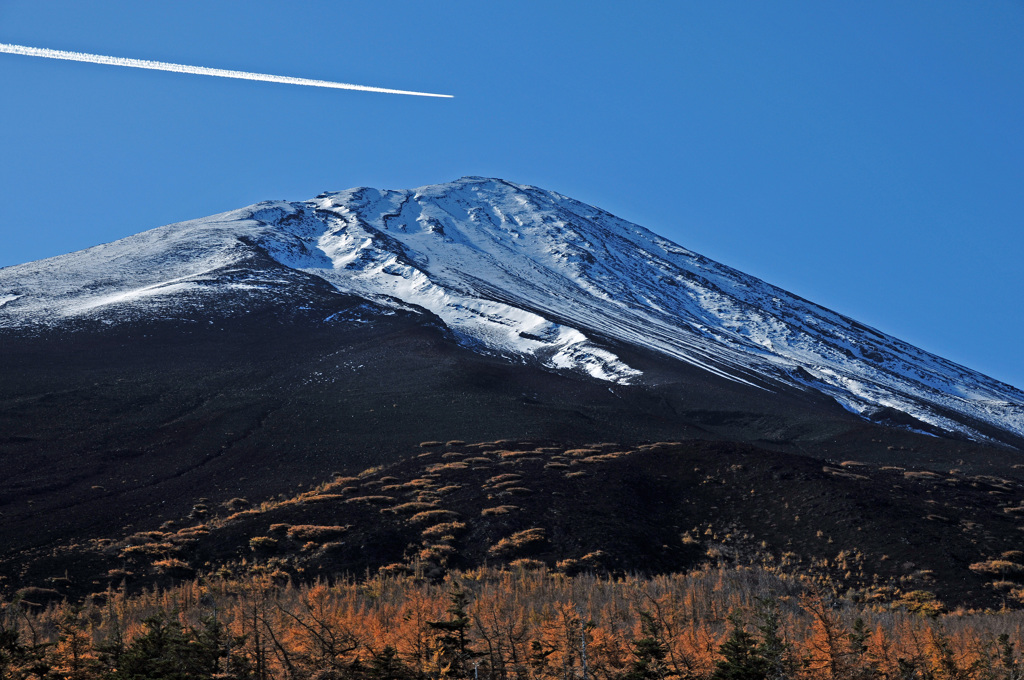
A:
{"points": [[524, 274], [196, 70]]}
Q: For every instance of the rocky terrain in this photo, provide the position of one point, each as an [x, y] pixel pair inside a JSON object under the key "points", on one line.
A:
{"points": [[180, 401]]}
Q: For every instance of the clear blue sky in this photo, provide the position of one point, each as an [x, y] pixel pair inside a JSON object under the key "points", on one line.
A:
{"points": [[868, 156]]}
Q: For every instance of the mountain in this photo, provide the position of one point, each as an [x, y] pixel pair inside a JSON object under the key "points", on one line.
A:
{"points": [[519, 273], [256, 353], [873, 533]]}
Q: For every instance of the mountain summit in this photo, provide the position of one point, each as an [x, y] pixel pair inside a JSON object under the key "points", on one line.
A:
{"points": [[517, 272]]}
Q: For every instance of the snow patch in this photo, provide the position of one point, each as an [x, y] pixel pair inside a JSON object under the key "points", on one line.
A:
{"points": [[528, 274]]}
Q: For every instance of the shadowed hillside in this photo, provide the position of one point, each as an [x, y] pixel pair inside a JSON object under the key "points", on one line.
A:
{"points": [[653, 509]]}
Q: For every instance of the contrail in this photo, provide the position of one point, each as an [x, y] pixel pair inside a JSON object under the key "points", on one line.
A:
{"points": [[196, 70]]}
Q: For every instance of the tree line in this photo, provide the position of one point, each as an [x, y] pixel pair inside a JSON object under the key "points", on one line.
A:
{"points": [[721, 624]]}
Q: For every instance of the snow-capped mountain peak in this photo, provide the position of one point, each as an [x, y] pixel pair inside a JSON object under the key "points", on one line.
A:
{"points": [[527, 274]]}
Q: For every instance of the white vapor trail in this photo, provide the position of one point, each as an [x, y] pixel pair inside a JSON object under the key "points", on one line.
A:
{"points": [[196, 70]]}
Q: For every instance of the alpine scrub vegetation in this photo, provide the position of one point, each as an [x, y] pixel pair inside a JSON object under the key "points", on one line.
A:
{"points": [[519, 542], [649, 508], [724, 624]]}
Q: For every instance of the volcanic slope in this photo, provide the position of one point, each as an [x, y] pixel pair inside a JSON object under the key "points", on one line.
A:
{"points": [[525, 274], [249, 352], [658, 508]]}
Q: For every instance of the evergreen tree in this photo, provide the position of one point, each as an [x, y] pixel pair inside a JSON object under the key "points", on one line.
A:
{"points": [[1007, 659], [944, 662], [167, 652], [907, 669], [741, 655], [649, 652], [865, 667], [773, 649], [452, 648], [20, 658], [387, 665], [10, 651]]}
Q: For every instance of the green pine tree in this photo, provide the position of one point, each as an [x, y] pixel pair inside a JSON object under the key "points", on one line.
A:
{"points": [[773, 649], [649, 653], [387, 665], [167, 652], [452, 644], [741, 656]]}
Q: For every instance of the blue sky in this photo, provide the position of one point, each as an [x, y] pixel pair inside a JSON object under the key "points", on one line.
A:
{"points": [[867, 156]]}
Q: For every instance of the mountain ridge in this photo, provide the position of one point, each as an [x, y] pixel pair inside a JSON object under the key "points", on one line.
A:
{"points": [[256, 353], [524, 274]]}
